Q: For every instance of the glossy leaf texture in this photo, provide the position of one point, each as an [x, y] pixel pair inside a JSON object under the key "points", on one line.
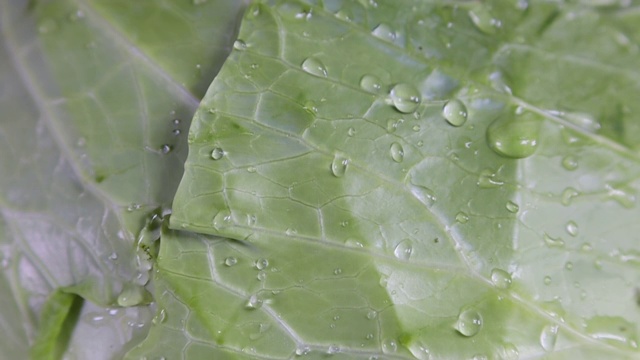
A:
{"points": [[95, 106], [426, 180]]}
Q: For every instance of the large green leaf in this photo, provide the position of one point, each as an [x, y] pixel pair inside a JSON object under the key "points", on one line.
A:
{"points": [[468, 171], [95, 106]]}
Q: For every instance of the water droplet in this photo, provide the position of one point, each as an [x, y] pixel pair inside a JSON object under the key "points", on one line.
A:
{"points": [[483, 20], [397, 152], [222, 220], [568, 266], [384, 32], [239, 45], [131, 295], [261, 264], [344, 15], [392, 125], [455, 112], [230, 261], [570, 162], [160, 317], [423, 194], [165, 149], [337, 271], [462, 217], [217, 153], [572, 228], [624, 197], [389, 346], [371, 83], [403, 250], [567, 195], [517, 138], [500, 278], [333, 349], [254, 302], [512, 207], [176, 132], [303, 350], [372, 314], [416, 128], [133, 207], [314, 67], [369, 336], [405, 98], [547, 280], [586, 247], [469, 322], [548, 337], [290, 232], [310, 107], [353, 243], [487, 180], [552, 242], [176, 122], [351, 132], [261, 275], [113, 256], [339, 166]]}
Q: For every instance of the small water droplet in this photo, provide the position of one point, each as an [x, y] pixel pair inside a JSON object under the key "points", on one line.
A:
{"points": [[371, 83], [567, 195], [568, 266], [509, 352], [303, 350], [337, 271], [483, 19], [339, 166], [462, 217], [222, 220], [344, 14], [261, 275], [514, 138], [512, 207], [353, 243], [405, 98], [333, 349], [469, 322], [586, 247], [239, 45], [372, 314], [455, 112], [397, 152], [176, 122], [570, 162], [416, 128], [310, 107], [389, 346], [313, 66], [384, 32], [254, 302], [291, 232], [487, 180], [547, 280], [572, 228], [552, 242], [500, 278], [160, 317], [548, 337], [176, 132], [261, 264], [217, 153], [393, 124], [230, 261], [351, 132], [131, 295], [369, 336], [423, 194], [165, 149], [403, 250]]}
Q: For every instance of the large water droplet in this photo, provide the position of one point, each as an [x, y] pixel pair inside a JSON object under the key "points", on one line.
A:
{"points": [[500, 278], [239, 45], [262, 264], [314, 67], [403, 250], [469, 322], [131, 295], [230, 261], [405, 97], [217, 153], [512, 207], [548, 337], [517, 138], [339, 166], [371, 83], [397, 152], [455, 112], [384, 32]]}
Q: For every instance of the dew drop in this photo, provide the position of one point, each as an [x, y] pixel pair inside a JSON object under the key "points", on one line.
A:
{"points": [[392, 125], [572, 228], [165, 149], [254, 302], [176, 132], [515, 139], [483, 20], [353, 243], [552, 242], [570, 162], [160, 317], [416, 128], [487, 180], [344, 15], [351, 132], [547, 280], [261, 276], [313, 66], [397, 152], [500, 278], [462, 217], [333, 349], [512, 207], [423, 194], [261, 264], [371, 83], [586, 247], [222, 220], [303, 350], [239, 45], [405, 98], [131, 295], [469, 322], [310, 107], [548, 337], [337, 271], [230, 261], [403, 250], [372, 314], [217, 153], [568, 266], [389, 346], [384, 32], [113, 256], [567, 195], [339, 166], [455, 112]]}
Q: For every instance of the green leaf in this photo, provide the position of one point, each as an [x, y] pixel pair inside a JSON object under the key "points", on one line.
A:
{"points": [[59, 314], [476, 162]]}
